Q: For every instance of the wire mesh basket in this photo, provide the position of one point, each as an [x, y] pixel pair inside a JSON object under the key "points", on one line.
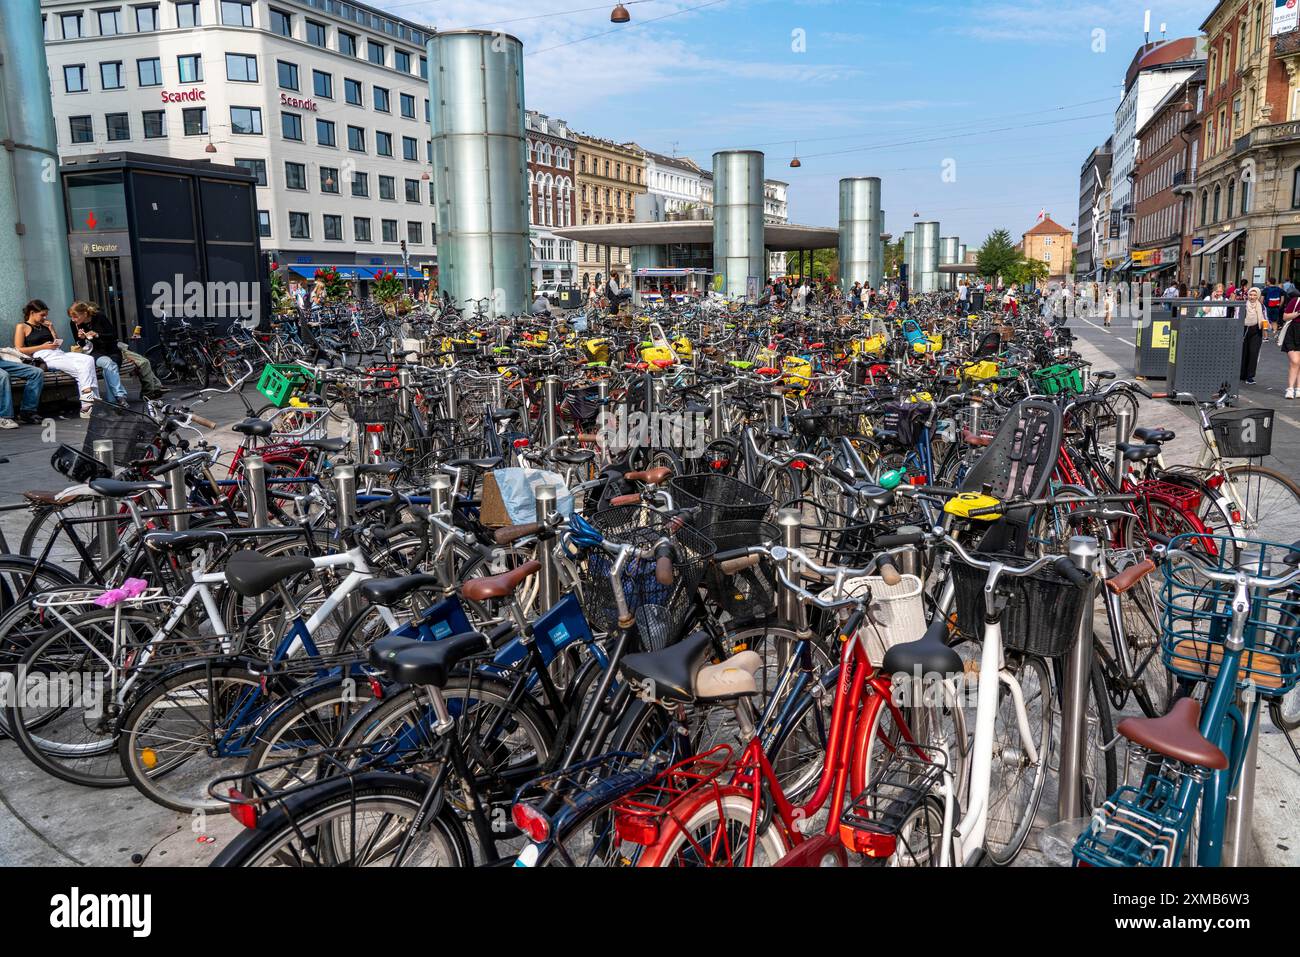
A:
{"points": [[830, 424], [1244, 433], [749, 594], [373, 408], [720, 498], [133, 433], [1137, 827], [1198, 616], [659, 610], [1043, 610]]}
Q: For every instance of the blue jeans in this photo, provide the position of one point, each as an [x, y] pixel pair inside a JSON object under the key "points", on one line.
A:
{"points": [[112, 379], [33, 382]]}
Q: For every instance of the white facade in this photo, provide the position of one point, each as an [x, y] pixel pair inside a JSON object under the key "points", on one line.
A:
{"points": [[776, 210], [678, 181], [552, 150], [326, 101]]}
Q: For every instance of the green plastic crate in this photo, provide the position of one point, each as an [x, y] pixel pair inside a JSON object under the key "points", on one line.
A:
{"points": [[279, 382], [1058, 379]]}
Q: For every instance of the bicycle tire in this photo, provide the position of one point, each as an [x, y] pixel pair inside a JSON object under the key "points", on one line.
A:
{"points": [[686, 830], [1000, 850], [1281, 507]]}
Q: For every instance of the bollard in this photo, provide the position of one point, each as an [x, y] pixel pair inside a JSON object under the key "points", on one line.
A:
{"points": [[498, 393], [106, 532], [716, 414], [550, 409], [345, 509], [1123, 432], [1238, 825], [453, 404], [909, 562], [976, 408], [440, 506], [775, 407], [403, 392], [1084, 552], [548, 592], [255, 476], [178, 499], [790, 526]]}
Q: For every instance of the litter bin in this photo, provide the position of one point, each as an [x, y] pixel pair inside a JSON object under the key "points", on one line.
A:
{"points": [[977, 301], [1205, 351], [1151, 360]]}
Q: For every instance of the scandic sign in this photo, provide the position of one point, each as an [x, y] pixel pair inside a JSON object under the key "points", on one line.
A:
{"points": [[185, 96], [297, 103]]}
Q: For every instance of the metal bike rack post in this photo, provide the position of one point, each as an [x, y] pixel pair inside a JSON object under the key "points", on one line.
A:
{"points": [[498, 393], [105, 507], [790, 526], [403, 392], [1084, 552], [453, 404], [178, 499], [345, 509], [255, 476], [550, 402], [548, 578], [775, 406], [1238, 839], [1123, 432], [440, 505], [716, 415]]}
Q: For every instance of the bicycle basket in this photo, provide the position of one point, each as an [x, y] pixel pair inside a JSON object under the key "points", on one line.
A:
{"points": [[374, 409], [1244, 433], [832, 424], [76, 465], [1043, 611], [1059, 379], [1198, 617], [750, 593], [720, 498], [127, 426], [659, 610], [897, 612]]}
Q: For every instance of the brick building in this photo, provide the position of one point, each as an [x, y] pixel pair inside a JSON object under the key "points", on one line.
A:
{"points": [[1052, 244]]}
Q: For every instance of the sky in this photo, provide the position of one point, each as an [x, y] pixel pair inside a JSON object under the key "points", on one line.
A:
{"points": [[978, 115]]}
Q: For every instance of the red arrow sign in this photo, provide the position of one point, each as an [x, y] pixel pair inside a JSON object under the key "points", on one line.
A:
{"points": [[91, 221]]}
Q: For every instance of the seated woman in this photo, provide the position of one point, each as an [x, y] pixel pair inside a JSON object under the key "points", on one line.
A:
{"points": [[35, 337], [99, 339]]}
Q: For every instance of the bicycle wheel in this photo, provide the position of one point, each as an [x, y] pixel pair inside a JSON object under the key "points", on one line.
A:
{"points": [[1153, 683], [715, 832], [1016, 785], [359, 821], [302, 725], [1268, 501], [1100, 766]]}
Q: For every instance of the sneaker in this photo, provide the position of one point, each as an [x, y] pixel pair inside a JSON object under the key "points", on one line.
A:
{"points": [[29, 418], [1250, 382], [8, 424], [1291, 393]]}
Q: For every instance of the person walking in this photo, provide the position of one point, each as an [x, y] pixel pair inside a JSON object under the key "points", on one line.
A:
{"points": [[1288, 339], [99, 339], [34, 336], [1256, 320]]}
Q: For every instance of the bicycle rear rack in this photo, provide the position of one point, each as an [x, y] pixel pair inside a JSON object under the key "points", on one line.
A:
{"points": [[872, 824], [1138, 827]]}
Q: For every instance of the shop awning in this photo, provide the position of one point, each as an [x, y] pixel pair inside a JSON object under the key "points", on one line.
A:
{"points": [[346, 271], [1217, 244], [1151, 269], [1124, 266]]}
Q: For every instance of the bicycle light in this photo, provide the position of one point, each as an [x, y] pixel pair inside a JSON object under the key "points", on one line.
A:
{"points": [[532, 822], [241, 810]]}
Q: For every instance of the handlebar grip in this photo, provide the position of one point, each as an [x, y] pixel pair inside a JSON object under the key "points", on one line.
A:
{"points": [[625, 500], [734, 565], [889, 573], [164, 469], [900, 541], [384, 534], [664, 564], [1165, 540], [1072, 572], [513, 533], [206, 423], [853, 624]]}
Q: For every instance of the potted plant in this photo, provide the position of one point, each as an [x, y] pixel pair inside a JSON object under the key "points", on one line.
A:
{"points": [[336, 288], [386, 289]]}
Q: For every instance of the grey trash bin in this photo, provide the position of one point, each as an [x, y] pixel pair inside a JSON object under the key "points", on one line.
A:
{"points": [[1205, 351]]}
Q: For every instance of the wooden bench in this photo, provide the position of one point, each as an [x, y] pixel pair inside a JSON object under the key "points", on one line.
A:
{"points": [[59, 392]]}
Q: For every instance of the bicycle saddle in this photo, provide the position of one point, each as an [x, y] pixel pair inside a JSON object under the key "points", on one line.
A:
{"points": [[670, 672], [1138, 453], [325, 445], [379, 468], [182, 541], [1176, 736], [112, 488], [390, 591], [498, 586], [258, 427], [930, 654], [482, 465], [877, 496], [252, 574], [502, 415], [577, 457], [655, 476], [1155, 436], [412, 662]]}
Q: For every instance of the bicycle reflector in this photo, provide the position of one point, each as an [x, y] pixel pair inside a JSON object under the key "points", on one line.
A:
{"points": [[635, 827], [240, 810], [532, 822], [521, 443], [869, 843]]}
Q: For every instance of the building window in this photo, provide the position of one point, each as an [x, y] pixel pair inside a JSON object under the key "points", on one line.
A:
{"points": [[299, 225], [347, 43], [432, 201], [295, 176], [291, 126], [288, 75], [387, 187], [415, 233], [246, 120], [187, 14], [110, 76], [412, 190], [264, 224], [408, 106], [410, 149], [110, 23], [333, 228], [329, 180], [281, 22], [389, 230], [83, 129], [146, 19], [241, 68], [74, 79], [1218, 195], [356, 139], [401, 61], [375, 52], [352, 91], [1295, 189], [71, 25], [381, 100], [322, 84], [361, 184], [315, 33], [118, 126], [1232, 199], [155, 124], [236, 13], [149, 71], [424, 68], [1245, 197], [190, 68], [383, 143], [361, 229], [195, 121], [325, 133], [255, 166]]}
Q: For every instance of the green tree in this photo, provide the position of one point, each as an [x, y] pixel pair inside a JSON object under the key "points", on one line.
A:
{"points": [[893, 257], [1027, 272], [998, 255]]}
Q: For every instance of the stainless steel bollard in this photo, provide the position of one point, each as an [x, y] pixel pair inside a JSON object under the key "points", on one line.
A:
{"points": [[178, 499], [550, 409], [255, 477], [403, 392], [345, 510], [1084, 552], [790, 526], [440, 505], [105, 532], [716, 414], [1123, 432], [775, 408], [548, 578]]}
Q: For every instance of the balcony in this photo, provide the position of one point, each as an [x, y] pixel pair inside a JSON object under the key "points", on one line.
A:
{"points": [[1287, 44], [1277, 134]]}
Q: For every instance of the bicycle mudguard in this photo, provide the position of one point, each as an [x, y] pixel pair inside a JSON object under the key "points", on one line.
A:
{"points": [[815, 851]]}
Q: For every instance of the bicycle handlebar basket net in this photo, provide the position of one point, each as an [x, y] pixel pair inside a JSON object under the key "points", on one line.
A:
{"points": [[720, 498], [1043, 610], [659, 610]]}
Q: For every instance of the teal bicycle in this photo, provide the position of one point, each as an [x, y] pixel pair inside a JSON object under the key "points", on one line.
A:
{"points": [[1233, 627]]}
